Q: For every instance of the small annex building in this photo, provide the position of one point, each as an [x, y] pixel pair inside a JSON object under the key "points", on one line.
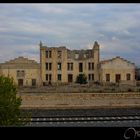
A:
{"points": [[117, 70], [25, 72]]}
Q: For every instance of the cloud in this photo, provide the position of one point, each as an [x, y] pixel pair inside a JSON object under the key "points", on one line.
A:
{"points": [[76, 26]]}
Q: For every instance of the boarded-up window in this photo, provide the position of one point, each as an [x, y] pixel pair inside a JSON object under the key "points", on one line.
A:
{"points": [[108, 77], [20, 73], [128, 76]]}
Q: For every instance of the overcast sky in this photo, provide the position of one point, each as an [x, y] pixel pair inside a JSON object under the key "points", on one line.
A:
{"points": [[116, 27]]}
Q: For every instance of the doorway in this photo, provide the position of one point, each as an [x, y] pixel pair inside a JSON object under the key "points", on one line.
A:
{"points": [[33, 82], [20, 82], [70, 78], [80, 67], [118, 78]]}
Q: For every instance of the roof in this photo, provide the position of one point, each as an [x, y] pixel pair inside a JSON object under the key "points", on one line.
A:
{"points": [[20, 60], [108, 60]]}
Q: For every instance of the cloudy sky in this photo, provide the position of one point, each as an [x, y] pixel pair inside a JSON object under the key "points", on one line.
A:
{"points": [[116, 27]]}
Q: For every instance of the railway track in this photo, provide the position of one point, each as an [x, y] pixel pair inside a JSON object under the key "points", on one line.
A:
{"points": [[89, 118], [86, 121]]}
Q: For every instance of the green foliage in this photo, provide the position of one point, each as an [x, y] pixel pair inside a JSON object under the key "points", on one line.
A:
{"points": [[81, 79], [10, 111]]}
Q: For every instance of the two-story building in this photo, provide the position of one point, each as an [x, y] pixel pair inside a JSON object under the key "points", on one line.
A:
{"points": [[61, 65]]}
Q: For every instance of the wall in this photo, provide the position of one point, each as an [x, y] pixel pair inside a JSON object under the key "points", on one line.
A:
{"points": [[117, 66], [64, 60]]}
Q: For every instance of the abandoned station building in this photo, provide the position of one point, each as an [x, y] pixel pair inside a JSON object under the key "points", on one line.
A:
{"points": [[61, 65]]}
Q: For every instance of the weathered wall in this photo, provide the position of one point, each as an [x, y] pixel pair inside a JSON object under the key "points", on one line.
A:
{"points": [[31, 69], [117, 66], [68, 56]]}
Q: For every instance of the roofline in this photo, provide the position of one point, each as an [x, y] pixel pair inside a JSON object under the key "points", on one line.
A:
{"points": [[107, 60]]}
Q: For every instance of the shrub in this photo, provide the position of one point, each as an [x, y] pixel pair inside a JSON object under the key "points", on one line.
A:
{"points": [[10, 111], [81, 79]]}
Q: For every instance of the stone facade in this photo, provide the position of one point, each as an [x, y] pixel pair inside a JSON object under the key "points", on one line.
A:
{"points": [[61, 65], [25, 72], [117, 70]]}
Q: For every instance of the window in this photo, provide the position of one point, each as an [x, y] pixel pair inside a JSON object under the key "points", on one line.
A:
{"points": [[59, 66], [59, 77], [80, 67], [118, 78], [48, 54], [46, 77], [50, 77], [33, 82], [108, 77], [69, 66], [20, 73], [48, 66], [70, 78], [59, 54], [128, 76], [20, 82], [90, 66], [91, 77]]}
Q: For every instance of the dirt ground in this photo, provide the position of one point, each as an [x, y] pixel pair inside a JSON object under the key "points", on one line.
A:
{"points": [[80, 100]]}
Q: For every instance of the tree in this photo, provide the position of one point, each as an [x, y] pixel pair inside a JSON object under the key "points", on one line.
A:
{"points": [[81, 79], [10, 112]]}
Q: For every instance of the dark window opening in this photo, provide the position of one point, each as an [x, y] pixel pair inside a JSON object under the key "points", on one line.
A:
{"points": [[118, 78], [59, 77], [70, 78], [33, 82], [108, 77], [50, 77], [46, 77], [46, 54], [20, 82], [50, 54], [80, 67], [50, 66], [89, 66], [46, 66], [92, 66], [91, 77], [128, 76]]}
